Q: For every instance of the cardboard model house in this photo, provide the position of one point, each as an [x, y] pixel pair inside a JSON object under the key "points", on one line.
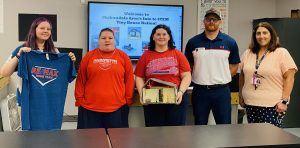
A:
{"points": [[157, 91]]}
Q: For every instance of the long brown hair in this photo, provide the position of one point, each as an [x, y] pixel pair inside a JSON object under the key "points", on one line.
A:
{"points": [[31, 36], [274, 42]]}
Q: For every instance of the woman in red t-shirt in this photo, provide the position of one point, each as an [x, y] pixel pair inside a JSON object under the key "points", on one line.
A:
{"points": [[164, 62]]}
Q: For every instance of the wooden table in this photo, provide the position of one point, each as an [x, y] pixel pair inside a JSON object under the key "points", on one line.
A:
{"points": [[84, 138], [238, 135]]}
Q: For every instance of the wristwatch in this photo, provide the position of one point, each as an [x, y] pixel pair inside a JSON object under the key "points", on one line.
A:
{"points": [[285, 101]]}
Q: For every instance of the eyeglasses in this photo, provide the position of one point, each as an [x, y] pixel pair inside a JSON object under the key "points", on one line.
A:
{"points": [[211, 19]]}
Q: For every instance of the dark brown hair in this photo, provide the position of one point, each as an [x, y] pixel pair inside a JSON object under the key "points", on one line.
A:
{"points": [[31, 36], [152, 42], [274, 42]]}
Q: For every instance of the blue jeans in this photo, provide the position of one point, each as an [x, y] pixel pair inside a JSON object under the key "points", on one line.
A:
{"points": [[216, 99]]}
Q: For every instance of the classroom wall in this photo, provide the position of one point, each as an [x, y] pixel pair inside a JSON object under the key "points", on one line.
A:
{"points": [[72, 23], [241, 14], [283, 7]]}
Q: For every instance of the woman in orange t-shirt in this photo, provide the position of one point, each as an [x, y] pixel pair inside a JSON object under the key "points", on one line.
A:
{"points": [[104, 86], [267, 77]]}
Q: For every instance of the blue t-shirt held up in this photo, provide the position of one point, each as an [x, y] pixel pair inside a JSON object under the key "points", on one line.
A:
{"points": [[45, 78]]}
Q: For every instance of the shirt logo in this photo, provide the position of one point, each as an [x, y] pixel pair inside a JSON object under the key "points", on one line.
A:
{"points": [[44, 75], [162, 66], [105, 64]]}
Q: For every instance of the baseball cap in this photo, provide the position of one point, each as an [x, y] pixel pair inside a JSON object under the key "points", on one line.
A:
{"points": [[213, 11]]}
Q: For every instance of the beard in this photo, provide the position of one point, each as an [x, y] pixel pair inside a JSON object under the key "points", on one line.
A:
{"points": [[211, 28]]}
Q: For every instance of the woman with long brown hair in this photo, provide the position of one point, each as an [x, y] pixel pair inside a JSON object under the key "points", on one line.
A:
{"points": [[267, 77]]}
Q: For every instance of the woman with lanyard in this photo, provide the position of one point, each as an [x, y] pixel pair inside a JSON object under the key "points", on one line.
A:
{"points": [[267, 77]]}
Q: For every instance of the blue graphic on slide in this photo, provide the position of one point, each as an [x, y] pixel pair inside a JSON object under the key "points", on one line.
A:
{"points": [[134, 33], [128, 47]]}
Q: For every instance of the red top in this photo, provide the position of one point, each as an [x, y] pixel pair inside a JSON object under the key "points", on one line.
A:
{"points": [[105, 81], [165, 66]]}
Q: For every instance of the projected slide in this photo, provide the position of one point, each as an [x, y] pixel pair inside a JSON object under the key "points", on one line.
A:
{"points": [[133, 24]]}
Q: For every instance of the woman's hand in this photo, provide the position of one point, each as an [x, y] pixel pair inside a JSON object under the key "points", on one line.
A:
{"points": [[179, 97], [280, 107], [23, 49], [141, 101], [241, 101], [72, 56], [9, 66]]}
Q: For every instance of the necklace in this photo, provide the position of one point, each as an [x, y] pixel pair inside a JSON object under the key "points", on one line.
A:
{"points": [[109, 57]]}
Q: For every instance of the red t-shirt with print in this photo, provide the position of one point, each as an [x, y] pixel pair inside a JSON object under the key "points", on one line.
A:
{"points": [[166, 66], [105, 81]]}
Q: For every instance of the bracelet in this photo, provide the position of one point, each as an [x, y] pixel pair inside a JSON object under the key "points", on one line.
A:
{"points": [[181, 91], [17, 56]]}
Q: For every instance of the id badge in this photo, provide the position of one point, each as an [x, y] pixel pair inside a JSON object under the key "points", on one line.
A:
{"points": [[199, 49], [254, 80]]}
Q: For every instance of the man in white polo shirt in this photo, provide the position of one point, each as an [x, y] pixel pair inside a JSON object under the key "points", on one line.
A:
{"points": [[214, 57]]}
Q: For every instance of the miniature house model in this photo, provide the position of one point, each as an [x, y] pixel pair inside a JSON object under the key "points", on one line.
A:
{"points": [[156, 91]]}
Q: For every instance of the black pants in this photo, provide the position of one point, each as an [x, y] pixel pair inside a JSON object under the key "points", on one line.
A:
{"points": [[92, 119], [217, 100], [166, 114]]}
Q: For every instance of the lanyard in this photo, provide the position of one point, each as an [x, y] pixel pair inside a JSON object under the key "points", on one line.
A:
{"points": [[258, 62]]}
